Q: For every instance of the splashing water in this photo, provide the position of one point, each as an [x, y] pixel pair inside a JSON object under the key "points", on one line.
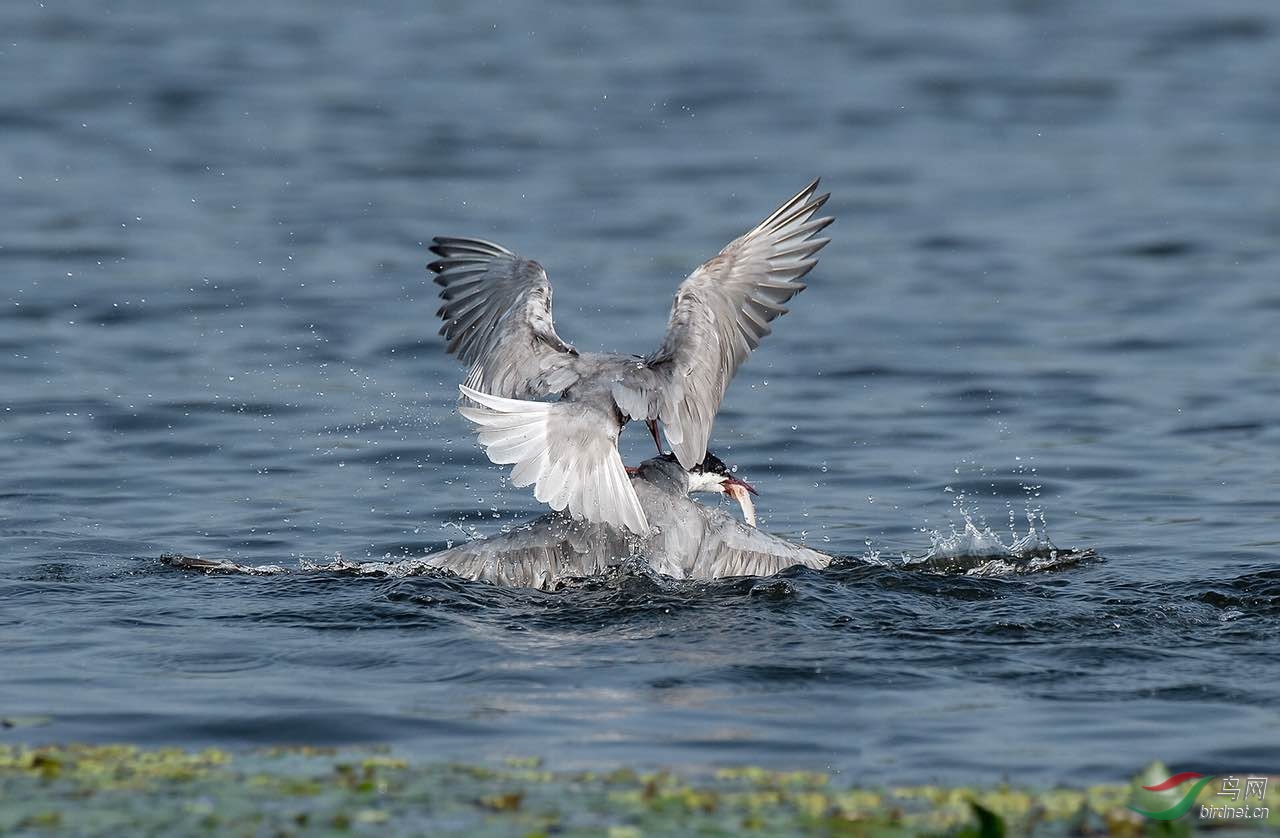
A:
{"points": [[975, 549]]}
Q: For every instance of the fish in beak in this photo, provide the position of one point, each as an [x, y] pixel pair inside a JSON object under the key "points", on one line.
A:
{"points": [[741, 491]]}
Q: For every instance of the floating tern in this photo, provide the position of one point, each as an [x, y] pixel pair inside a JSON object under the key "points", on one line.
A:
{"points": [[687, 541], [497, 320]]}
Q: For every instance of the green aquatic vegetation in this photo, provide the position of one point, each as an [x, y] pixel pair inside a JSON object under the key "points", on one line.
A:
{"points": [[120, 789], [110, 766]]}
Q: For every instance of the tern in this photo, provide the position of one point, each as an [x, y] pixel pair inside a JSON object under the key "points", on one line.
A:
{"points": [[687, 541], [497, 320]]}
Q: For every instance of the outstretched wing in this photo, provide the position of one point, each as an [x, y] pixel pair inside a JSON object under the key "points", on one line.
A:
{"points": [[568, 450], [721, 313], [538, 554], [739, 550], [497, 319]]}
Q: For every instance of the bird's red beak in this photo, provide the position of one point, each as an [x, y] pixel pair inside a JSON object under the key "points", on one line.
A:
{"points": [[733, 481]]}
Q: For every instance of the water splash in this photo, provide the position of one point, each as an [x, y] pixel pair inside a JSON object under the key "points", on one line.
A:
{"points": [[974, 548]]}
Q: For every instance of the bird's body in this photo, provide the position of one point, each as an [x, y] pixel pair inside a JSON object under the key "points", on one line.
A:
{"points": [[497, 313], [687, 540]]}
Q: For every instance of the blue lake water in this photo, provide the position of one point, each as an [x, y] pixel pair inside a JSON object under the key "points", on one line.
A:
{"points": [[1052, 292]]}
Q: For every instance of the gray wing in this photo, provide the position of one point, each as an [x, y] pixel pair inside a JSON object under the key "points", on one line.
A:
{"points": [[693, 541], [535, 555], [721, 313], [497, 319], [731, 548]]}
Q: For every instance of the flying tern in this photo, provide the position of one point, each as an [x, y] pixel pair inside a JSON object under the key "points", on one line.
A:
{"points": [[497, 320]]}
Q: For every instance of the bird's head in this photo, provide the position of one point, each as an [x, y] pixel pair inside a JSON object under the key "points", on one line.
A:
{"points": [[712, 475]]}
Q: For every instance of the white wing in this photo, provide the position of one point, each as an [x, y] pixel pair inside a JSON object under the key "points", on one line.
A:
{"points": [[721, 313], [568, 450]]}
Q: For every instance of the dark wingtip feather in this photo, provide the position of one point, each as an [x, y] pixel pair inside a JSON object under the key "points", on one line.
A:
{"points": [[804, 194]]}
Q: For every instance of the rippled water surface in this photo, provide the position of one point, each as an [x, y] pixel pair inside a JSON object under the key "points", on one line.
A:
{"points": [[1052, 291]]}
